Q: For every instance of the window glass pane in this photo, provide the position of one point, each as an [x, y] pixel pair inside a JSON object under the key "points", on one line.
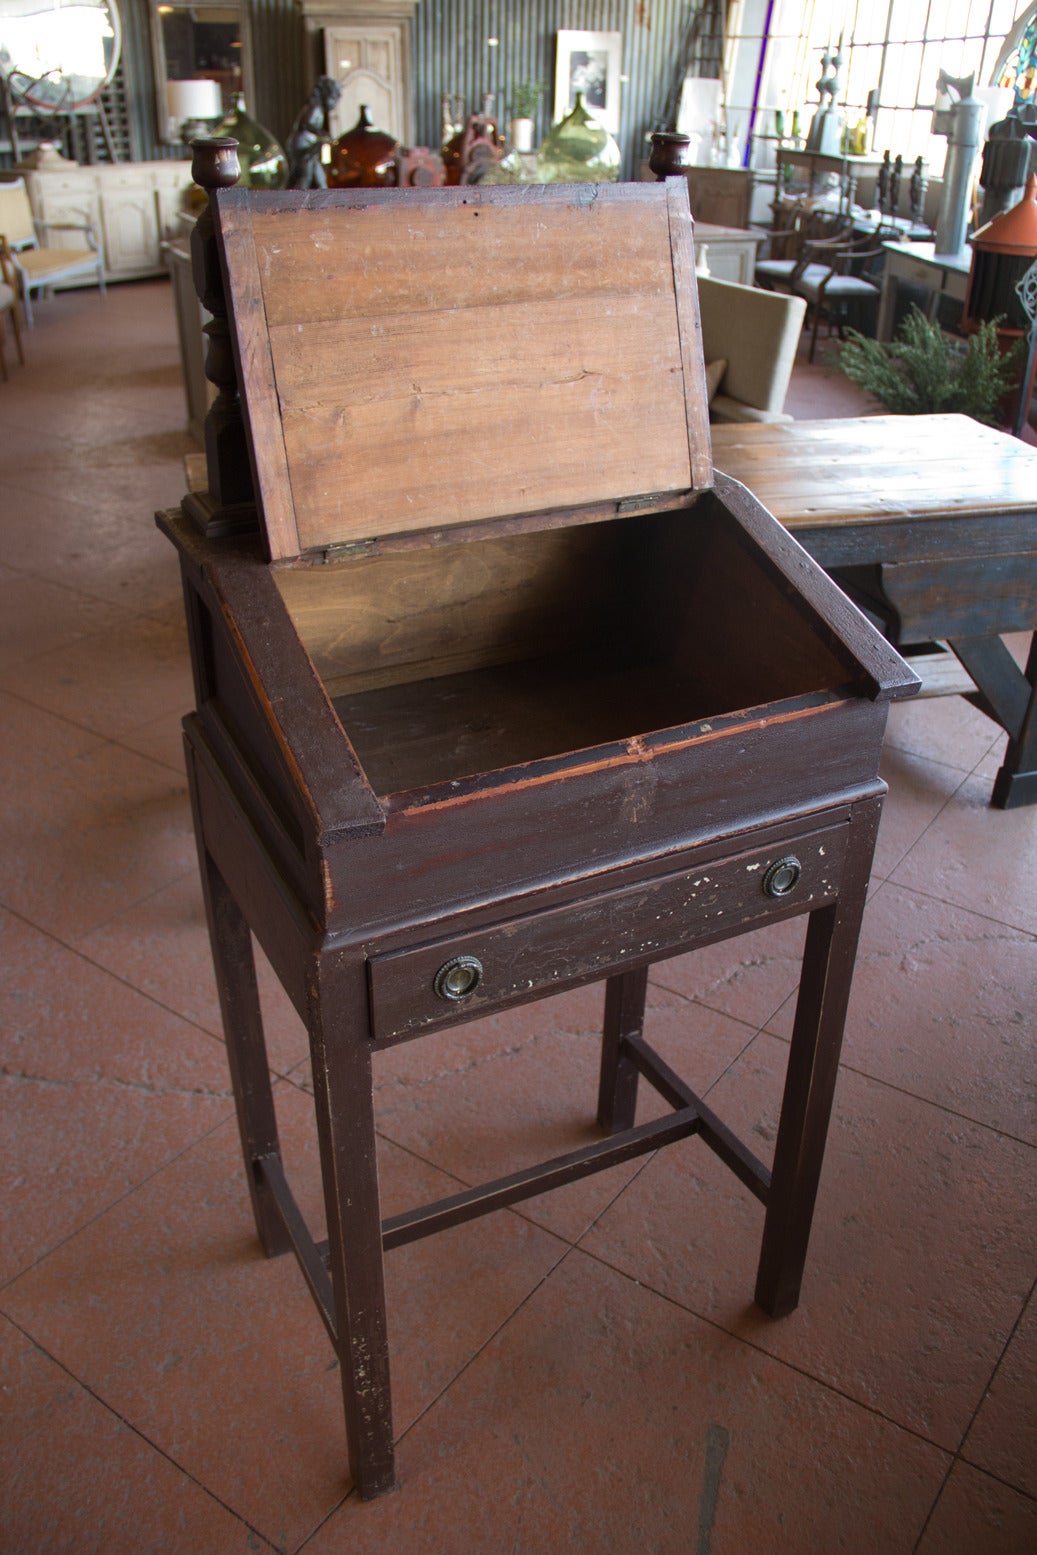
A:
{"points": [[963, 37], [979, 13], [862, 75], [907, 18], [949, 18], [1002, 16], [829, 20], [900, 82], [991, 55], [938, 56], [953, 55]]}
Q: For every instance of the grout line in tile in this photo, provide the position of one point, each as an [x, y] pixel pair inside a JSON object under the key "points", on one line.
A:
{"points": [[930, 896], [902, 1090], [120, 1198], [85, 593], [131, 750], [106, 739], [877, 1413], [75, 948], [703, 1002], [958, 1456], [993, 1373], [964, 778], [567, 1249], [951, 1112], [17, 696], [141, 1436], [890, 744]]}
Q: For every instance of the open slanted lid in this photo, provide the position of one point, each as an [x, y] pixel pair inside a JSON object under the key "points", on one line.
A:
{"points": [[418, 359]]}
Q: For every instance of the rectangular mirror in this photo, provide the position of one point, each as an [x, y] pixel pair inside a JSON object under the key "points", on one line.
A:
{"points": [[199, 40]]}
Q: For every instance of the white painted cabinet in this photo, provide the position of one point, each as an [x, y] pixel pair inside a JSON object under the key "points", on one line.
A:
{"points": [[132, 205]]}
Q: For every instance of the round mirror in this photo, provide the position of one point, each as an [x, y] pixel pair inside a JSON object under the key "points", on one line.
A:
{"points": [[58, 55]]}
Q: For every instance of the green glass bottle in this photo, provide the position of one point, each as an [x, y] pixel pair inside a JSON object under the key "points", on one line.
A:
{"points": [[263, 162], [578, 150]]}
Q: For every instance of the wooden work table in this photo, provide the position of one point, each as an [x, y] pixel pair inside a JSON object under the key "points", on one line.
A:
{"points": [[930, 523]]}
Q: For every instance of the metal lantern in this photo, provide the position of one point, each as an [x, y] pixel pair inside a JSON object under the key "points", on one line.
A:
{"points": [[1002, 253]]}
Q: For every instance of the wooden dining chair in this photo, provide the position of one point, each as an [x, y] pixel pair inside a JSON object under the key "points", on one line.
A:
{"points": [[796, 225], [9, 305], [37, 268], [835, 276]]}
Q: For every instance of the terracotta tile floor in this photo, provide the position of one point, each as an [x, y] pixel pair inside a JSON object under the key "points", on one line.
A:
{"points": [[589, 1374]]}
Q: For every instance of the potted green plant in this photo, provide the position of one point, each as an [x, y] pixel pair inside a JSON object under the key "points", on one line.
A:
{"points": [[923, 370], [525, 100]]}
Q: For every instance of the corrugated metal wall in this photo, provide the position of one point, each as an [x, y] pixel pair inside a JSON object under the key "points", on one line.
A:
{"points": [[451, 55], [278, 63]]}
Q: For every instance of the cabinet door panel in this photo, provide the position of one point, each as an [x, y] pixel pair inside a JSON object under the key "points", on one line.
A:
{"points": [[368, 64], [131, 241], [75, 204]]}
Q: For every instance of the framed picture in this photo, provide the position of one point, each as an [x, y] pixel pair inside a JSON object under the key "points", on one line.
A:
{"points": [[588, 62]]}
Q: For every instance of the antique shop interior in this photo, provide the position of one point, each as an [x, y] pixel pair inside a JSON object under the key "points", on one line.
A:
{"points": [[799, 240]]}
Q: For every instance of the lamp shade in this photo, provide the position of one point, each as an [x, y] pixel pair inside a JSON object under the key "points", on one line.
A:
{"points": [[1002, 252], [1015, 230], [193, 100]]}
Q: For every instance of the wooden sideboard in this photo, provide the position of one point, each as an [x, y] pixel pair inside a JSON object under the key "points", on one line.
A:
{"points": [[134, 208], [722, 196], [191, 319], [727, 253]]}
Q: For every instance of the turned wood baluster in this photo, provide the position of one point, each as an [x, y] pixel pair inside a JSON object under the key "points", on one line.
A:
{"points": [[669, 154], [230, 503]]}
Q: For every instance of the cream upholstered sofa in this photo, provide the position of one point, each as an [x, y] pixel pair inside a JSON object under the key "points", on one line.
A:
{"points": [[756, 333]]}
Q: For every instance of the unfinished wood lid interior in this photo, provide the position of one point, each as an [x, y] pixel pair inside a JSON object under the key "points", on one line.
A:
{"points": [[412, 361]]}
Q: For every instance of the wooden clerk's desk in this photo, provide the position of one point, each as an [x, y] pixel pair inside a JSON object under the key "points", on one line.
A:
{"points": [[930, 522]]}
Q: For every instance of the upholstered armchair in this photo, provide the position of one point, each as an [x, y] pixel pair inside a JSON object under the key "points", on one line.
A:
{"points": [[754, 334]]}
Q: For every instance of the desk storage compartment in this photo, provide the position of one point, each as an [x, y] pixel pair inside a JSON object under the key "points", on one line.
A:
{"points": [[449, 662]]}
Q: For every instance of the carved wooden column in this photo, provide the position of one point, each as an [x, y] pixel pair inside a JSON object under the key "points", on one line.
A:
{"points": [[228, 506]]}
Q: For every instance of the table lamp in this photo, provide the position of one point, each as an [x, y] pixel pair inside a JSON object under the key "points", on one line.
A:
{"points": [[193, 106]]}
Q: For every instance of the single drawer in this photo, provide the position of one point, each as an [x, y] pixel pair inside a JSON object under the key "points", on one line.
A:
{"points": [[120, 178], [538, 953], [913, 270], [66, 183]]}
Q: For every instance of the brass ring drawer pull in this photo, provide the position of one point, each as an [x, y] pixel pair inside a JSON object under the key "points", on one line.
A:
{"points": [[783, 876], [458, 977]]}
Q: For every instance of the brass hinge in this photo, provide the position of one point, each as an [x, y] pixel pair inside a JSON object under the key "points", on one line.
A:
{"points": [[652, 499], [342, 549]]}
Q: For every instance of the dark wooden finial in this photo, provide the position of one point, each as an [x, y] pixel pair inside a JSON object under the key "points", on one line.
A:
{"points": [[669, 153], [228, 507], [214, 163]]}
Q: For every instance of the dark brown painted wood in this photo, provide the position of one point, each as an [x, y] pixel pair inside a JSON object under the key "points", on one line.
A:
{"points": [[824, 991], [379, 854], [554, 949], [624, 1019]]}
